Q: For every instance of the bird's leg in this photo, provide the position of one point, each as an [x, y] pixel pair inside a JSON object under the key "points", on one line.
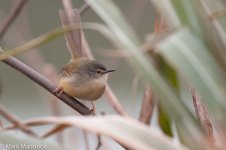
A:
{"points": [[92, 110], [58, 91]]}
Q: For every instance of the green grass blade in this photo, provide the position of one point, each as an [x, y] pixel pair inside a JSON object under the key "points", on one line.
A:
{"points": [[190, 56], [187, 14], [42, 39]]}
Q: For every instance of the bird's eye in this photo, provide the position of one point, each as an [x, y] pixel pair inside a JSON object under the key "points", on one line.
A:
{"points": [[98, 72]]}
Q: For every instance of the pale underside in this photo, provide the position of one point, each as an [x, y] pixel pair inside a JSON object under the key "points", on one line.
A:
{"points": [[86, 90]]}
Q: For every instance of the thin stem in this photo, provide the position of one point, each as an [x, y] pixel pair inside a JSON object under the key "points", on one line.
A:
{"points": [[13, 119], [12, 16], [147, 106], [202, 114]]}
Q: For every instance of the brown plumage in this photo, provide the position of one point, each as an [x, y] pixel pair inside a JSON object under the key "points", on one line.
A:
{"points": [[84, 79]]}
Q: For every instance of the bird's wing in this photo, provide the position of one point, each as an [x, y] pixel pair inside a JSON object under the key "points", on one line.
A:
{"points": [[67, 70]]}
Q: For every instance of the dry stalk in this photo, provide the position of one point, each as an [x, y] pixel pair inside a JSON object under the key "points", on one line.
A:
{"points": [[147, 106], [202, 115]]}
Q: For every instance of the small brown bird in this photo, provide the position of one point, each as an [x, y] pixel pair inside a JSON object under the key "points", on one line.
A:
{"points": [[82, 77]]}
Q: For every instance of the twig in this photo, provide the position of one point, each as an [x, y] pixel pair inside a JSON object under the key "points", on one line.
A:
{"points": [[47, 84], [15, 11], [13, 119], [202, 114], [147, 106]]}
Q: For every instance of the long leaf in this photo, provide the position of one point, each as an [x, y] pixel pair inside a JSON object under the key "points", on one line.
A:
{"points": [[42, 39], [125, 130], [125, 35], [190, 56]]}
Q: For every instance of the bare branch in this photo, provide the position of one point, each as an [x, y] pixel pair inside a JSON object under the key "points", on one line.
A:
{"points": [[15, 11], [13, 119], [147, 106], [202, 114]]}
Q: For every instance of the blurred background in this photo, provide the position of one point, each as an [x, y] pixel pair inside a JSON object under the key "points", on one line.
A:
{"points": [[26, 99], [177, 52]]}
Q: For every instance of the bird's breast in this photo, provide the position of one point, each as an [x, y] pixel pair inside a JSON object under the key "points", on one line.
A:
{"points": [[90, 90]]}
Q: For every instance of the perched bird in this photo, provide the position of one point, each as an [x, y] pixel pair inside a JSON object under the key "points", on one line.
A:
{"points": [[82, 77]]}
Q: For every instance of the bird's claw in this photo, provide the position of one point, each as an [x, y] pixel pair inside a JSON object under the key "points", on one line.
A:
{"points": [[58, 91], [92, 110]]}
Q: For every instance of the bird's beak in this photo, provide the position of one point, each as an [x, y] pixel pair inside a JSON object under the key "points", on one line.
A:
{"points": [[110, 71]]}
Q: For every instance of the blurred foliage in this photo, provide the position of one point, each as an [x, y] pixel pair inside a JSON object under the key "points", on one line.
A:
{"points": [[191, 50], [164, 121]]}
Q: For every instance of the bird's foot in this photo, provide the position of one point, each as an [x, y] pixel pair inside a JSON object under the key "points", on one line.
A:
{"points": [[93, 109], [58, 91]]}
